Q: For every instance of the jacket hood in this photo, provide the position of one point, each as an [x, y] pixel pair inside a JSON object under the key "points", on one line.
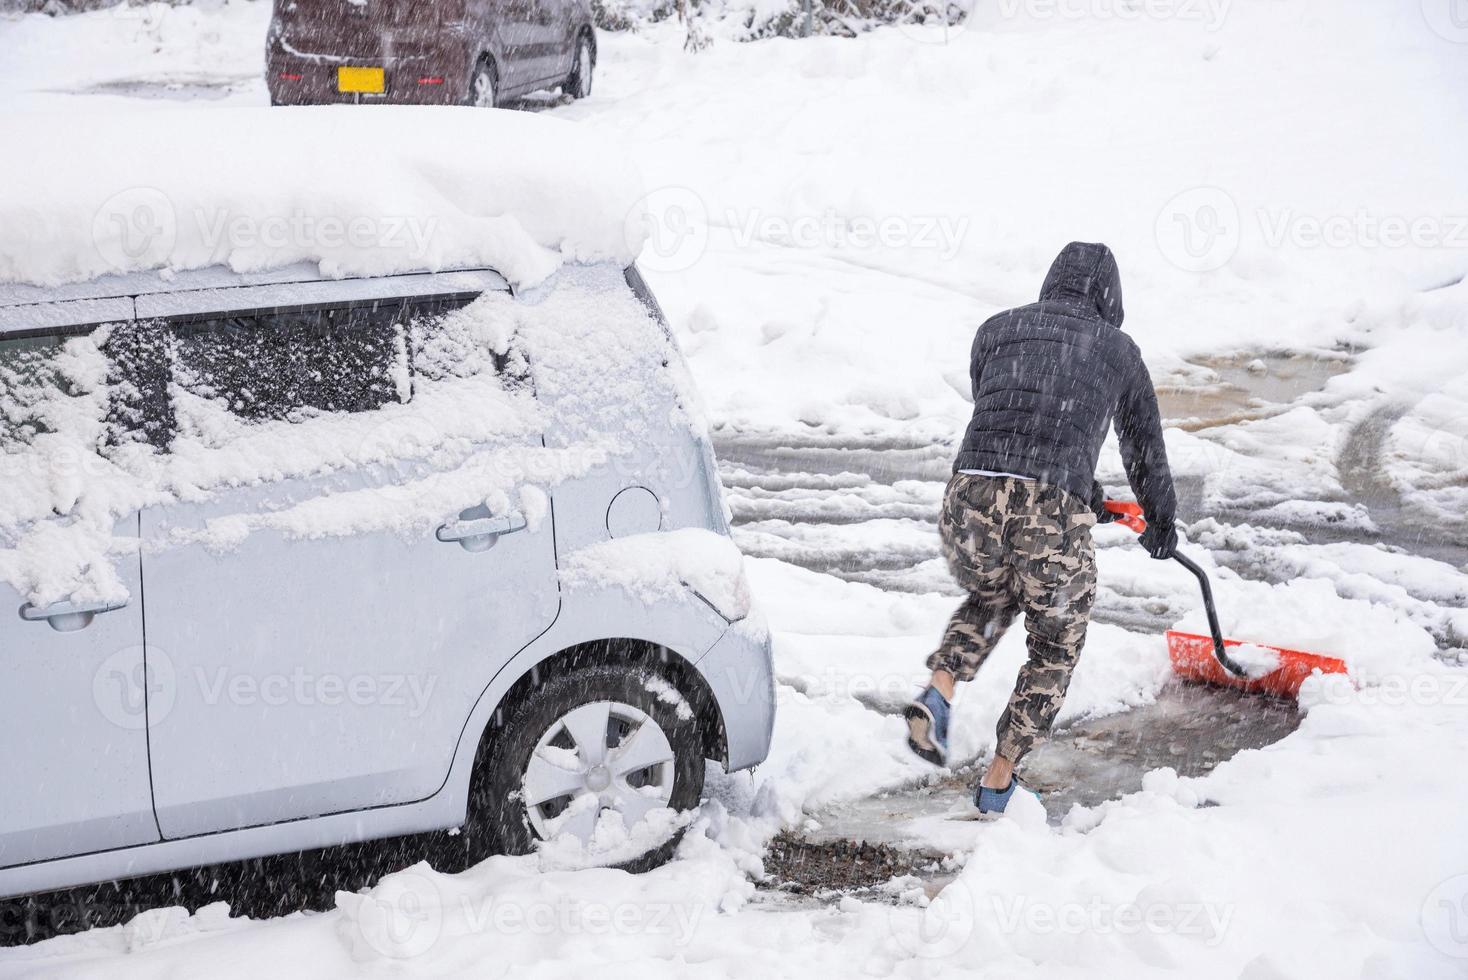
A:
{"points": [[1086, 273]]}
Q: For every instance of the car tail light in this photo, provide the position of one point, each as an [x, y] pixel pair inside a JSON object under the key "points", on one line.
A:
{"points": [[431, 80], [290, 76]]}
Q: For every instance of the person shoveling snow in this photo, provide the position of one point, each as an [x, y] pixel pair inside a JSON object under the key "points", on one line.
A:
{"points": [[1048, 379]]}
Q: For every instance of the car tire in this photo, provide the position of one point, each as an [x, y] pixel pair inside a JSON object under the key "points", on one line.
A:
{"points": [[578, 83], [633, 698], [484, 84]]}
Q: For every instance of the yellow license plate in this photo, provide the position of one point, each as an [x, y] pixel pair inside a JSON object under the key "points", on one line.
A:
{"points": [[360, 80]]}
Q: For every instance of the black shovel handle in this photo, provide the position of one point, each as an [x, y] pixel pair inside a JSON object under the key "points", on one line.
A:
{"points": [[1129, 515], [1229, 664]]}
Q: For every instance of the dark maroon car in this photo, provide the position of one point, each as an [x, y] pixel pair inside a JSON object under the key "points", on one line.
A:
{"points": [[429, 52]]}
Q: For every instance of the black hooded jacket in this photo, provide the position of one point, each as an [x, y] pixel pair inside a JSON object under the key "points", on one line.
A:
{"points": [[1049, 379]]}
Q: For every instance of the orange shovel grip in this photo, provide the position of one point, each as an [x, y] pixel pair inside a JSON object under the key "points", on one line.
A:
{"points": [[1128, 514]]}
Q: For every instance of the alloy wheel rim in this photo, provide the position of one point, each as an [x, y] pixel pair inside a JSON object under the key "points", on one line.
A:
{"points": [[605, 755], [484, 90]]}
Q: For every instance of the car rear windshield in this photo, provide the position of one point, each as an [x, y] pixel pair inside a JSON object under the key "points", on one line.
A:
{"points": [[341, 13], [279, 365], [283, 365]]}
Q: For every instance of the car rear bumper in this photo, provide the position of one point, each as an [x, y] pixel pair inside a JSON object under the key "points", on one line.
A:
{"points": [[739, 670], [433, 77]]}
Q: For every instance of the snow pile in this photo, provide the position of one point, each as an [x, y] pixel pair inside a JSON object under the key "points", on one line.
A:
{"points": [[612, 842], [257, 189], [663, 565], [1429, 593], [1374, 639]]}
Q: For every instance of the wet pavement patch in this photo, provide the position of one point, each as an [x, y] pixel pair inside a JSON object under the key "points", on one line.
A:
{"points": [[796, 865], [177, 88], [1238, 387], [1189, 728]]}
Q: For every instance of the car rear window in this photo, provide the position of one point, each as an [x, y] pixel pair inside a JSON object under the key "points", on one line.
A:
{"points": [[342, 14], [295, 364], [285, 365], [212, 377]]}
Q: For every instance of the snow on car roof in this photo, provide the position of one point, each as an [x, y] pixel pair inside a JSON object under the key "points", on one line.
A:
{"points": [[354, 190]]}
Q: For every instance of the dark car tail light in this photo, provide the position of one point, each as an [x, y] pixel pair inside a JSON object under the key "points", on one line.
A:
{"points": [[291, 76], [431, 80]]}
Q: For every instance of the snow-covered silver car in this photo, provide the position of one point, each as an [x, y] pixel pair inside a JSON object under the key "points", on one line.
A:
{"points": [[293, 562]]}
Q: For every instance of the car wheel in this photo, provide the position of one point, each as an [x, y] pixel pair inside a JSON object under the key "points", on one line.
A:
{"points": [[484, 85], [578, 85], [582, 752]]}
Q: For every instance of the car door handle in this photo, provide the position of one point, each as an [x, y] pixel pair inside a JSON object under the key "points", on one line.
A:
{"points": [[479, 533], [67, 617]]}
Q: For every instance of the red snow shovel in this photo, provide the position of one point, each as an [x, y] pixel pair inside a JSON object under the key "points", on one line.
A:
{"points": [[1205, 659]]}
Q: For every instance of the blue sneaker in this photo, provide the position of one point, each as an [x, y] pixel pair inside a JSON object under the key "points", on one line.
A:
{"points": [[927, 726], [993, 801]]}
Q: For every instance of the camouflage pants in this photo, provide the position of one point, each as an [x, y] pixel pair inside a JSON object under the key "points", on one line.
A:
{"points": [[1018, 546]]}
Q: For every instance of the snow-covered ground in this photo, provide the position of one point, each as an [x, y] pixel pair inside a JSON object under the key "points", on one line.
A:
{"points": [[831, 220]]}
